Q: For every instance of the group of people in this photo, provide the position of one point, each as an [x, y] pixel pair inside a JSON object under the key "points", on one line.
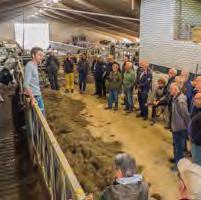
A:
{"points": [[179, 94]]}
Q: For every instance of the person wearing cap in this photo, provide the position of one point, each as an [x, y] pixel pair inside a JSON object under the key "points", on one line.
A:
{"points": [[108, 69], [190, 170], [69, 73]]}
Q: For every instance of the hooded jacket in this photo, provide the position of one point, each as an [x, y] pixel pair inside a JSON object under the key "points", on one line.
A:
{"points": [[127, 188], [180, 114]]}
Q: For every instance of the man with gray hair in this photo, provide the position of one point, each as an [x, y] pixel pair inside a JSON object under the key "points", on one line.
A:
{"points": [[179, 122], [128, 185]]}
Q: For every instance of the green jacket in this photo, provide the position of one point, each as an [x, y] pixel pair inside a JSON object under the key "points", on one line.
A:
{"points": [[129, 79], [114, 81]]}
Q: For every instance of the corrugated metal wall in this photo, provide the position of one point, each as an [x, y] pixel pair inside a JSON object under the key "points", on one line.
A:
{"points": [[157, 35]]}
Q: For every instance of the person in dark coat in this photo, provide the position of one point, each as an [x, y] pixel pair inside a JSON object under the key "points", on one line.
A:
{"points": [[52, 67], [69, 73], [197, 89], [93, 68], [83, 70], [99, 79], [187, 87]]}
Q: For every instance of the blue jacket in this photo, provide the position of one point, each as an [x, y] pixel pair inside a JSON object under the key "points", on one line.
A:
{"points": [[189, 92], [145, 81]]}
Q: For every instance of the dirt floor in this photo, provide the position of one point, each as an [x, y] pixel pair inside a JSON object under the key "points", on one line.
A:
{"points": [[90, 136]]}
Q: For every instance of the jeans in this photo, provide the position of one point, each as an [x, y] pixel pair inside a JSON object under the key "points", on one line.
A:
{"points": [[39, 100], [53, 80], [142, 98], [196, 154], [179, 144], [129, 98], [113, 98], [82, 82]]}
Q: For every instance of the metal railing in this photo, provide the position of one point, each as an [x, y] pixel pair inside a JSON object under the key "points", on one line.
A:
{"points": [[59, 178]]}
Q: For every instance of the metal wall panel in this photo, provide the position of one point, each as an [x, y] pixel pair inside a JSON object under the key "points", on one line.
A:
{"points": [[157, 37]]}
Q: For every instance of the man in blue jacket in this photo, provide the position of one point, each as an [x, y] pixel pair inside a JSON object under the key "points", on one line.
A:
{"points": [[144, 86]]}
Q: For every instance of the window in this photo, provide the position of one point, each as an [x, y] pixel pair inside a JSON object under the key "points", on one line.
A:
{"points": [[30, 35], [187, 17]]}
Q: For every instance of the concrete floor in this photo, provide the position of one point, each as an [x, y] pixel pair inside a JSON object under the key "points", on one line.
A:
{"points": [[150, 145]]}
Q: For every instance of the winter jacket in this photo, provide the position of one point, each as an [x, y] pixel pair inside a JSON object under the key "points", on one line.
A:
{"points": [[52, 63], [194, 129], [114, 81], [191, 176], [129, 79], [180, 115], [68, 66], [127, 188], [99, 69], [83, 67], [188, 91], [145, 81]]}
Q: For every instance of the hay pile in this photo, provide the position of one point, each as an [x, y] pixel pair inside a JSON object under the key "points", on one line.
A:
{"points": [[90, 158]]}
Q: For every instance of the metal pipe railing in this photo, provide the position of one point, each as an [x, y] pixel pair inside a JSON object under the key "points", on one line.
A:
{"points": [[59, 178]]}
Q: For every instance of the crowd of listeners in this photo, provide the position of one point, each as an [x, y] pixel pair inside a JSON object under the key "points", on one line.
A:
{"points": [[179, 94]]}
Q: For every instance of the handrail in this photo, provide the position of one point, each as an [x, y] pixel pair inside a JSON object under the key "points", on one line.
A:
{"points": [[57, 173]]}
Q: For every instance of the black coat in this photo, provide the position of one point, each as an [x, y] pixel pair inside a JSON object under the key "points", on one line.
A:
{"points": [[52, 63], [68, 66], [99, 70]]}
